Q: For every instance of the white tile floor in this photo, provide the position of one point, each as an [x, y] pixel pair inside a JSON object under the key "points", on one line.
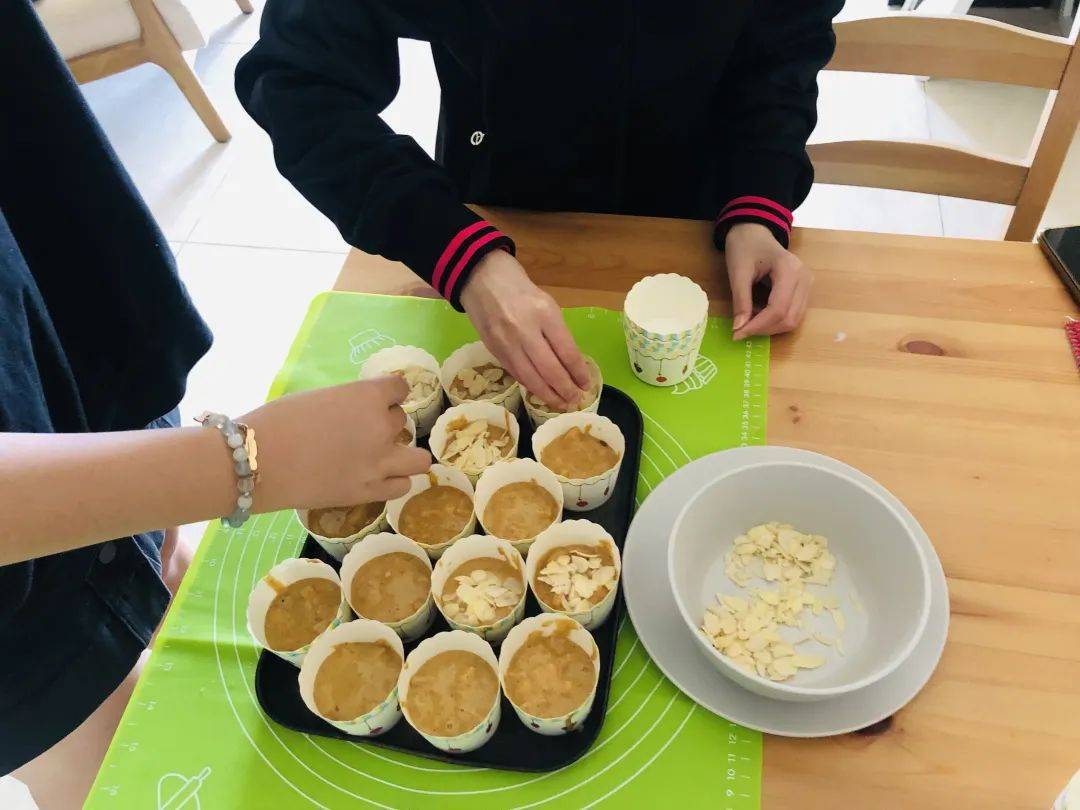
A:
{"points": [[239, 230]]}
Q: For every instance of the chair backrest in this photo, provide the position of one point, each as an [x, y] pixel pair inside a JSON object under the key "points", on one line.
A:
{"points": [[960, 48]]}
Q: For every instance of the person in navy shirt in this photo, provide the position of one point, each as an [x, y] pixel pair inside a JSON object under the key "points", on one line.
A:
{"points": [[97, 336]]}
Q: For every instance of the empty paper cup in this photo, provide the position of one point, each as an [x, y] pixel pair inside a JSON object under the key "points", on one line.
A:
{"points": [[539, 412], [416, 709], [267, 589], [438, 475], [545, 626], [481, 547], [581, 494], [517, 471], [338, 547], [423, 407], [385, 712], [575, 533], [664, 319], [476, 355], [442, 436], [408, 627]]}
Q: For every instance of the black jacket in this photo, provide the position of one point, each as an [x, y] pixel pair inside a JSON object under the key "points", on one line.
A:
{"points": [[684, 108]]}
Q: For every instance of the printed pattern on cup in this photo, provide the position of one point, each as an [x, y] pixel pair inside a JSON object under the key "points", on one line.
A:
{"points": [[472, 739], [378, 721], [659, 344], [583, 496], [659, 359], [554, 726]]}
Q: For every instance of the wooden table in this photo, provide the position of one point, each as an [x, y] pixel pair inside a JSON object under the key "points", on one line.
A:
{"points": [[940, 368]]}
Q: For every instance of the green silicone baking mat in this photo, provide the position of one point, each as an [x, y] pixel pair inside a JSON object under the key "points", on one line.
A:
{"points": [[193, 736]]}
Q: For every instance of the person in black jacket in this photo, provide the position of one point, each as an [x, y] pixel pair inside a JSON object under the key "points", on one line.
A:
{"points": [[695, 109]]}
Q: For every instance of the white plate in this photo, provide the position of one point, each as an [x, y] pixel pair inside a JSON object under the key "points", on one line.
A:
{"points": [[656, 617]]}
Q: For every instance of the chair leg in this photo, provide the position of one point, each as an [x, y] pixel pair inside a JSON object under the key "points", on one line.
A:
{"points": [[245, 6], [192, 89]]}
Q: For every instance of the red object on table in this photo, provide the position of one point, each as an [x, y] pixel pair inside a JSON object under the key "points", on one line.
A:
{"points": [[1072, 334]]}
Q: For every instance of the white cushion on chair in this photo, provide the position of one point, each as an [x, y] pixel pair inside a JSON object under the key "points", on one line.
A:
{"points": [[80, 27]]}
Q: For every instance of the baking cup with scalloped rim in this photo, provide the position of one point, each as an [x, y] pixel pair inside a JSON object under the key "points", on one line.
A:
{"points": [[583, 494], [471, 412], [419, 622], [382, 717], [262, 596], [664, 320], [338, 547], [548, 624], [518, 470], [442, 476], [468, 549], [424, 652], [575, 533]]}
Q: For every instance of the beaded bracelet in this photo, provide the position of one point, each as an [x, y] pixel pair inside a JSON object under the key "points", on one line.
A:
{"points": [[240, 439]]}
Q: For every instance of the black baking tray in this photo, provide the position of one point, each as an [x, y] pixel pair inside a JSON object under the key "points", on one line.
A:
{"points": [[513, 747]]}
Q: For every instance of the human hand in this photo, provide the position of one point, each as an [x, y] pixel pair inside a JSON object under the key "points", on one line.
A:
{"points": [[752, 253], [524, 328], [334, 446]]}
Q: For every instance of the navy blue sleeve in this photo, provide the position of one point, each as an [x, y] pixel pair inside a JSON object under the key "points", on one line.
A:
{"points": [[770, 96], [316, 81]]}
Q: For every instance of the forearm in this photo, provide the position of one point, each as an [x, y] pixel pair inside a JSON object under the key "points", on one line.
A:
{"points": [[64, 491]]}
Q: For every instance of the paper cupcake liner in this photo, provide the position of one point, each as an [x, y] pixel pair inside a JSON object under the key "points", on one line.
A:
{"points": [[472, 355], [501, 473], [664, 320], [338, 547], [538, 415], [575, 533], [446, 476], [376, 545], [547, 624], [472, 411], [384, 716], [471, 548], [424, 652], [396, 358], [287, 572], [583, 494]]}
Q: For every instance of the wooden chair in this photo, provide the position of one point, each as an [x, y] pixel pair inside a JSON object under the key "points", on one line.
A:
{"points": [[960, 48], [132, 42]]}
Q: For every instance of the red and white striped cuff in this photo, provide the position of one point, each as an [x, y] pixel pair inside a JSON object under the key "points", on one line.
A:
{"points": [[462, 253], [769, 213]]}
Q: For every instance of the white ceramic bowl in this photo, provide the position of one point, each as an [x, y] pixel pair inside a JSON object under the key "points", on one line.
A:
{"points": [[881, 579]]}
